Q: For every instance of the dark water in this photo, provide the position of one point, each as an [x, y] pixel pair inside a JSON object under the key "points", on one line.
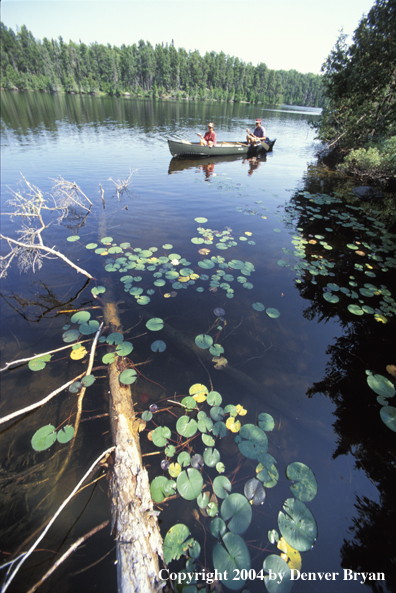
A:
{"points": [[310, 362]]}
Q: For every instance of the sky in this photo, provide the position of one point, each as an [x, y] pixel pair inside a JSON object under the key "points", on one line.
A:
{"points": [[284, 34]]}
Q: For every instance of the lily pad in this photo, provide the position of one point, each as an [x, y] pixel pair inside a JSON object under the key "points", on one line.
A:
{"points": [[115, 338], [297, 525], [161, 435], [160, 488], [388, 416], [70, 335], [237, 510], [37, 364], [158, 346], [90, 327], [273, 313], [229, 559], [155, 324], [186, 426], [65, 434], [211, 457], [282, 583], [43, 438], [128, 377], [217, 527], [306, 486], [80, 317], [204, 341], [189, 483], [222, 486], [381, 385], [258, 306], [254, 491]]}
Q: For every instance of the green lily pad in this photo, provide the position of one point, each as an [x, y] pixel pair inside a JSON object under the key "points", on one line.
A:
{"points": [[114, 338], [189, 483], [155, 324], [80, 317], [211, 457], [388, 416], [355, 309], [273, 313], [65, 434], [186, 426], [331, 298], [161, 435], [237, 510], [98, 290], [184, 458], [203, 341], [217, 527], [229, 559], [37, 364], [70, 335], [72, 238], [282, 583], [306, 486], [258, 306], [90, 327], [266, 422], [43, 438], [109, 358], [381, 385], [88, 380], [214, 398], [160, 487], [124, 349], [128, 377], [297, 525], [222, 486]]}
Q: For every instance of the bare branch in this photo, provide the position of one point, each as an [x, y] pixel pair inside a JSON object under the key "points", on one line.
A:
{"points": [[67, 191], [53, 519], [123, 185], [68, 552], [30, 254]]}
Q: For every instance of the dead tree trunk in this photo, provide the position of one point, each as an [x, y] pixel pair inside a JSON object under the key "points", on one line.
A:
{"points": [[135, 526]]}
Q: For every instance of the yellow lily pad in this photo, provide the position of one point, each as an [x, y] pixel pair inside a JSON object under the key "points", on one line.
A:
{"points": [[79, 353], [291, 556]]}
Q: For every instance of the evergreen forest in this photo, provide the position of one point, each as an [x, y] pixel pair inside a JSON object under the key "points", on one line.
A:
{"points": [[143, 70]]}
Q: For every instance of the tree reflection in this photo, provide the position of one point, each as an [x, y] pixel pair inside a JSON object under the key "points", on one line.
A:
{"points": [[364, 346]]}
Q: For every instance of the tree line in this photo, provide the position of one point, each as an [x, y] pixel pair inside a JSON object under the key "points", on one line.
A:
{"points": [[358, 125], [144, 70]]}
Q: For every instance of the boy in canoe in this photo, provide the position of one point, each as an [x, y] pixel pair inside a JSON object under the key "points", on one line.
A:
{"points": [[258, 133], [210, 137]]}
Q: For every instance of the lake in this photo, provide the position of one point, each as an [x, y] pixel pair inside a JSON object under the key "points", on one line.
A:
{"points": [[274, 265]]}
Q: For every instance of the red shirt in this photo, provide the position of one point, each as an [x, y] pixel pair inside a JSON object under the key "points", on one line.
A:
{"points": [[210, 136]]}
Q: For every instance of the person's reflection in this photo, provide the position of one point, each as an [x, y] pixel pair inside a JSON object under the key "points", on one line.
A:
{"points": [[207, 170], [254, 164]]}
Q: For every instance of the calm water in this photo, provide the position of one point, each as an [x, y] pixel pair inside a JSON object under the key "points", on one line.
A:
{"points": [[310, 362]]}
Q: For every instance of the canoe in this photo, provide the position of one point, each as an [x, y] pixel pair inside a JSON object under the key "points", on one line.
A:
{"points": [[194, 149]]}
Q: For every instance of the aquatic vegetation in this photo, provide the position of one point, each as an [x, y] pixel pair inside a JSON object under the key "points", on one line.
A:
{"points": [[229, 512], [385, 389], [46, 436]]}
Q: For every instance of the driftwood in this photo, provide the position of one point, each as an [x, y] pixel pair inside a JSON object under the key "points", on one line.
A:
{"points": [[134, 521]]}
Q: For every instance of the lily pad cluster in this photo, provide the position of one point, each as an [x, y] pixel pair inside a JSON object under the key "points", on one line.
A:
{"points": [[192, 468], [46, 436], [145, 272], [369, 254], [384, 389]]}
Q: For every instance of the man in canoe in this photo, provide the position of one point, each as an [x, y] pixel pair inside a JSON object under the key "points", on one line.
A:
{"points": [[258, 133], [210, 137]]}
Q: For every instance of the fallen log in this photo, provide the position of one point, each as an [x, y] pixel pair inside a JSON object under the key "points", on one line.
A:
{"points": [[134, 521]]}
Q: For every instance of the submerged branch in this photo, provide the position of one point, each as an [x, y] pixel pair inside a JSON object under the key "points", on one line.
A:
{"points": [[53, 519], [68, 552]]}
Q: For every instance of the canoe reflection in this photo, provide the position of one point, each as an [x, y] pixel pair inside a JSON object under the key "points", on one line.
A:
{"points": [[177, 165]]}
